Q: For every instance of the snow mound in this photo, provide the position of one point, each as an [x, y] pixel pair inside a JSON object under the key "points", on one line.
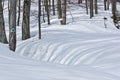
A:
{"points": [[14, 67], [73, 45]]}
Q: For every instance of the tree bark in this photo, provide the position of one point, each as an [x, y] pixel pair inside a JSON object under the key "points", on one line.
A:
{"points": [[19, 5], [64, 4], [26, 20], [12, 25], [114, 11], [48, 11], [86, 4], [108, 4], [3, 38], [105, 6], [79, 1], [59, 10], [53, 6], [96, 8], [39, 17], [91, 9]]}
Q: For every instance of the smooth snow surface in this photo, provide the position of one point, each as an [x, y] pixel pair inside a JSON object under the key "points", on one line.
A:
{"points": [[81, 50]]}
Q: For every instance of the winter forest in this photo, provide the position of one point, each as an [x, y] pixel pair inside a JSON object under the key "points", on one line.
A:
{"points": [[59, 39]]}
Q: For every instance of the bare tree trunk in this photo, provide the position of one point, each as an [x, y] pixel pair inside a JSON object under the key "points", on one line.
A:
{"points": [[43, 11], [64, 4], [96, 8], [113, 7], [114, 12], [79, 1], [9, 11], [108, 4], [105, 6], [86, 3], [91, 9], [12, 25], [26, 20], [59, 10], [19, 5], [39, 17], [53, 6], [3, 38], [48, 11]]}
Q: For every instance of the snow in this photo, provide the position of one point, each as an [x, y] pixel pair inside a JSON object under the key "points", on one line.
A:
{"points": [[14, 67], [81, 50]]}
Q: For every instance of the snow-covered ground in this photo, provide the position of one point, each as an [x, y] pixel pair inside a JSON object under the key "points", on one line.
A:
{"points": [[81, 50], [14, 67]]}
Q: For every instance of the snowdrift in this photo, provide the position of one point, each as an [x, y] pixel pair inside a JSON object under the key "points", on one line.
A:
{"points": [[14, 67]]}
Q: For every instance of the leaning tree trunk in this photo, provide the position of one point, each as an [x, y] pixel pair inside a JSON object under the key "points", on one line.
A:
{"points": [[26, 20], [12, 25], [3, 38]]}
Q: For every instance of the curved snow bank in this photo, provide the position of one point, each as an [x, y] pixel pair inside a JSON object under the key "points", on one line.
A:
{"points": [[73, 46], [13, 67], [92, 52]]}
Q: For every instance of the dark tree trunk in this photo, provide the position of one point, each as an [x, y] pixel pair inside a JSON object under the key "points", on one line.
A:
{"points": [[59, 10], [53, 6], [43, 11], [96, 8], [86, 3], [19, 5], [79, 1], [48, 11], [64, 4], [3, 38], [12, 25], [26, 20], [114, 11], [39, 18], [108, 4], [91, 9], [105, 6]]}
